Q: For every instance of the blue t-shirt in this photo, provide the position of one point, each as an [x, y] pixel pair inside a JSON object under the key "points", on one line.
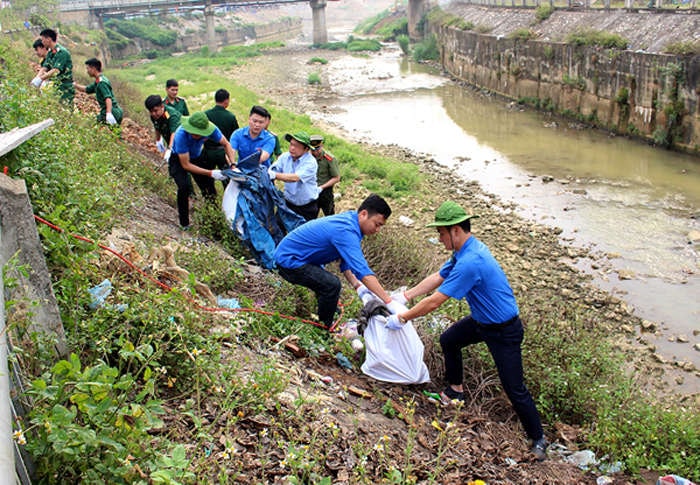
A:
{"points": [[474, 274], [245, 145], [185, 143], [306, 166], [324, 240]]}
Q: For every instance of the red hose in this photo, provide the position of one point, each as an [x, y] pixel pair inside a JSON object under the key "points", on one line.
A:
{"points": [[189, 298]]}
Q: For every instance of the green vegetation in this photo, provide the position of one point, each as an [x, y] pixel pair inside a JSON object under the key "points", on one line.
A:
{"points": [[352, 45], [314, 78], [597, 38], [404, 44], [438, 16], [574, 82], [543, 12], [522, 34], [165, 392], [147, 28], [426, 50], [683, 48], [318, 60]]}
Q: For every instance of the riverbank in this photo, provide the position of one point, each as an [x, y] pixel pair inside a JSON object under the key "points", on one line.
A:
{"points": [[289, 89]]}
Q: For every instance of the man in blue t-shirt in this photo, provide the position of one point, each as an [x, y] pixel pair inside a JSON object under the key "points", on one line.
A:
{"points": [[254, 137], [474, 274], [188, 157], [302, 253]]}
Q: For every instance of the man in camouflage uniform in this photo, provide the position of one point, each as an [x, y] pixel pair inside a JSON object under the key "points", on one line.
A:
{"points": [[327, 176], [58, 65]]}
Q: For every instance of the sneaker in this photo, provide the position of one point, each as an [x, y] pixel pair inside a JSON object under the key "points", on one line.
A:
{"points": [[539, 449], [449, 395]]}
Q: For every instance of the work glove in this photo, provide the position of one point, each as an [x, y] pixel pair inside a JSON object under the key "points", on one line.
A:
{"points": [[217, 175], [400, 297], [36, 82], [395, 307], [393, 323], [160, 145], [111, 120], [166, 155], [271, 172], [362, 290]]}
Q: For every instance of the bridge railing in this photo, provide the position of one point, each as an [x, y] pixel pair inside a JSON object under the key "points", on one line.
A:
{"points": [[665, 5]]}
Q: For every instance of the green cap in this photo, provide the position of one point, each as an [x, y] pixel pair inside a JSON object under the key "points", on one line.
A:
{"points": [[300, 136], [198, 124], [449, 214]]}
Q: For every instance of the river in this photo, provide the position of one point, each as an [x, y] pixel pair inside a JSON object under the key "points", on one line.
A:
{"points": [[631, 205]]}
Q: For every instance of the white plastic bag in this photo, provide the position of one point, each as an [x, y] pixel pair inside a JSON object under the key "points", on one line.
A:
{"points": [[393, 355]]}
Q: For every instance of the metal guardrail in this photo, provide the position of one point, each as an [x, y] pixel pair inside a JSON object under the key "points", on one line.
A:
{"points": [[82, 5], [666, 6]]}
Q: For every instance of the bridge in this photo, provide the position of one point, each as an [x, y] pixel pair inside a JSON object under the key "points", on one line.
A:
{"points": [[92, 12]]}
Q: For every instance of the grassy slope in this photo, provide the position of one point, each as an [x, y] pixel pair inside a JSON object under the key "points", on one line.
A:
{"points": [[81, 182]]}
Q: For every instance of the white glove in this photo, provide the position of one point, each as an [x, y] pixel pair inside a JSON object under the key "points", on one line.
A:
{"points": [[160, 145], [36, 82], [217, 175], [362, 290], [400, 297], [166, 155], [271, 172], [111, 120], [391, 322], [395, 307]]}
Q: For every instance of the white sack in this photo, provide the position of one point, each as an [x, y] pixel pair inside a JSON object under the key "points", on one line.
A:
{"points": [[229, 205], [393, 355]]}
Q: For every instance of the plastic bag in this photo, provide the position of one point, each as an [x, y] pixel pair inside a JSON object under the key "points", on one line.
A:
{"points": [[393, 355]]}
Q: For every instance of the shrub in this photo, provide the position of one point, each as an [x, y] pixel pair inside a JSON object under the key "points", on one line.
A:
{"points": [[543, 12], [358, 45], [318, 60], [522, 34], [683, 48], [404, 43], [426, 50], [314, 78], [392, 30], [597, 38]]}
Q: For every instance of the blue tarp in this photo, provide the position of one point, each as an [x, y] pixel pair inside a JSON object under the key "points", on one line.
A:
{"points": [[257, 210]]}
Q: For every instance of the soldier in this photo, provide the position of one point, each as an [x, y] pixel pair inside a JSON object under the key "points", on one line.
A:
{"points": [[227, 123], [110, 112], [59, 65], [173, 100], [327, 176]]}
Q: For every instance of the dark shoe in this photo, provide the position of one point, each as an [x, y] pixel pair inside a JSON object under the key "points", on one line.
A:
{"points": [[449, 395], [539, 449]]}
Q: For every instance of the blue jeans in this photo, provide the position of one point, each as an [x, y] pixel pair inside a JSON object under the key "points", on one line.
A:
{"points": [[326, 286], [504, 343]]}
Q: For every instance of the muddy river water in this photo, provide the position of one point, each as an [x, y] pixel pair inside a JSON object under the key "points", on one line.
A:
{"points": [[633, 206]]}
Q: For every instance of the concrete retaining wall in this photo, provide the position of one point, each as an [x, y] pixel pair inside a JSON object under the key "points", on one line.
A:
{"points": [[624, 91]]}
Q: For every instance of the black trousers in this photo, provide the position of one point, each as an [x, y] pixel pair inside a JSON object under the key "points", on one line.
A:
{"points": [[184, 185], [326, 286], [504, 343], [326, 202], [307, 211]]}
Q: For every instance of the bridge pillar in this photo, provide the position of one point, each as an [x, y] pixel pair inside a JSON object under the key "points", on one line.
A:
{"points": [[416, 10], [209, 20], [318, 15]]}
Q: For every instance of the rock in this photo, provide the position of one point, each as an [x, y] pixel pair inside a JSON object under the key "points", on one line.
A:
{"points": [[648, 326], [582, 459], [697, 347], [682, 339], [547, 178], [625, 274], [693, 236]]}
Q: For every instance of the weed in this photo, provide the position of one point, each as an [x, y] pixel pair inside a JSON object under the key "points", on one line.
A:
{"points": [[426, 50], [523, 34], [313, 78], [683, 48], [318, 60], [403, 42], [543, 12], [597, 38]]}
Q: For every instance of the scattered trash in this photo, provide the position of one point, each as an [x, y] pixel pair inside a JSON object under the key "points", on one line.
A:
{"points": [[343, 361], [433, 240], [614, 467], [100, 293], [582, 459], [357, 344], [327, 380], [604, 480], [476, 482], [406, 221], [510, 462], [231, 303], [433, 396], [349, 329], [673, 480]]}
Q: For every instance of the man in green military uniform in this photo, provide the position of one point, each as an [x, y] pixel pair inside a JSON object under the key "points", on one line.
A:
{"points": [[59, 65], [173, 100], [110, 112], [227, 123], [166, 121], [327, 176]]}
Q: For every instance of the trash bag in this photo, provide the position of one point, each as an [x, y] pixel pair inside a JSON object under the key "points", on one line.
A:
{"points": [[256, 210], [393, 355]]}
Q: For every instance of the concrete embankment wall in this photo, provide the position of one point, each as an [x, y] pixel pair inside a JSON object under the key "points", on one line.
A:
{"points": [[637, 93], [281, 29]]}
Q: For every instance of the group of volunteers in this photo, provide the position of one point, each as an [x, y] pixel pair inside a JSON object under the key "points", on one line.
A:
{"points": [[56, 66], [209, 142], [206, 144]]}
